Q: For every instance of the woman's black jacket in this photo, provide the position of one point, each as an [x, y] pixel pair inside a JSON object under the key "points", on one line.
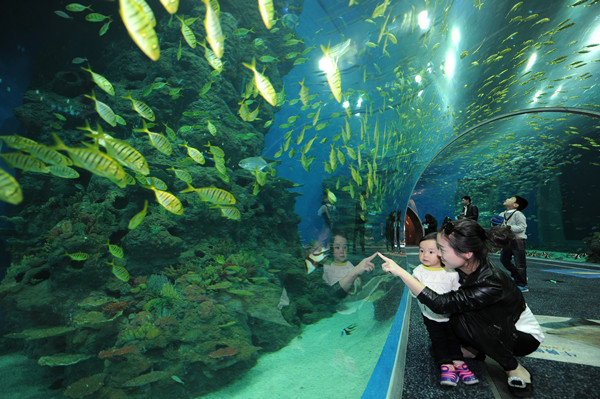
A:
{"points": [[483, 311]]}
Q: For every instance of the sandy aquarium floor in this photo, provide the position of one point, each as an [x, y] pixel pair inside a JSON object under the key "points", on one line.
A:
{"points": [[314, 363]]}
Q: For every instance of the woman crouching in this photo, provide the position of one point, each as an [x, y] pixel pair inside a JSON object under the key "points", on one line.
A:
{"points": [[485, 310]]}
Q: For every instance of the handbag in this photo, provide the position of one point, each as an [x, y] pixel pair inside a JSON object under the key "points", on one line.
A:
{"points": [[499, 220]]}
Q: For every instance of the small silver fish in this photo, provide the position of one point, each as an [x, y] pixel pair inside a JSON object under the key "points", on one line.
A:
{"points": [[253, 163], [63, 14]]}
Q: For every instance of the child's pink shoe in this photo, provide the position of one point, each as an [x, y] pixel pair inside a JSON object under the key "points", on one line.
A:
{"points": [[449, 375], [466, 375]]}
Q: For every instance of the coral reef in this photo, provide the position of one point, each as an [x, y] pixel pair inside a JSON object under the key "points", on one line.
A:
{"points": [[204, 291]]}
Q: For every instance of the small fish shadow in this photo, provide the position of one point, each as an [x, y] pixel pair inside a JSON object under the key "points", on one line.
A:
{"points": [[348, 330]]}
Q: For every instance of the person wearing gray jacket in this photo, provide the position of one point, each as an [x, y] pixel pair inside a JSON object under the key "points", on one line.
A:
{"points": [[516, 221]]}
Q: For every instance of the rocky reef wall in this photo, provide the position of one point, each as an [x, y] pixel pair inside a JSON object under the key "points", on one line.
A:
{"points": [[179, 298]]}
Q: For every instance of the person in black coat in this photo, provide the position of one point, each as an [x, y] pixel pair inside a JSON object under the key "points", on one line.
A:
{"points": [[469, 211], [392, 222], [430, 224]]}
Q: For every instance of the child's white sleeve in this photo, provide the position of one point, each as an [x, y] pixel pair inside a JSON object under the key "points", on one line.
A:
{"points": [[455, 283]]}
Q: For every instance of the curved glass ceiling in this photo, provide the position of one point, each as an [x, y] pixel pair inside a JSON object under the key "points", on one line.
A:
{"points": [[415, 75]]}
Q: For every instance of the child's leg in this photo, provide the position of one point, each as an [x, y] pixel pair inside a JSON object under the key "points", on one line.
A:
{"points": [[452, 342], [438, 334], [455, 353], [436, 330]]}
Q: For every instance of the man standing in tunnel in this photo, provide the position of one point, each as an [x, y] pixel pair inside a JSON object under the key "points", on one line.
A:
{"points": [[469, 211]]}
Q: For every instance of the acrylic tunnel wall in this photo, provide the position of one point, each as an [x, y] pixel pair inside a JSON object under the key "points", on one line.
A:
{"points": [[547, 156], [164, 203]]}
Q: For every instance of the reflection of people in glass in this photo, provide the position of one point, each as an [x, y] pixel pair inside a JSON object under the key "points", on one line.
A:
{"points": [[487, 298], [360, 219], [328, 212], [342, 271], [430, 224], [392, 230], [445, 345]]}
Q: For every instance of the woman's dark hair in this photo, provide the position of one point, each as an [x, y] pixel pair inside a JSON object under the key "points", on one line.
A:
{"points": [[430, 236], [466, 235]]}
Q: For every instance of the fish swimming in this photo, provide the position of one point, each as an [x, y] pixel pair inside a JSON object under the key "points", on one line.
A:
{"points": [[10, 190], [253, 163], [348, 330], [314, 259]]}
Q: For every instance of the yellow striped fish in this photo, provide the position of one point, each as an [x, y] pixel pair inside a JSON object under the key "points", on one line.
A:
{"points": [[152, 181], [212, 194], [119, 271], [182, 175], [265, 88], [303, 94], [137, 219], [140, 26], [63, 171], [78, 256], [115, 250], [244, 111], [129, 179], [48, 155], [230, 212], [124, 153], [246, 114], [220, 166], [140, 107], [253, 115], [104, 110], [96, 17], [196, 155], [267, 12], [10, 190], [170, 132], [158, 140], [168, 201], [98, 135], [187, 33], [147, 11], [261, 177], [95, 161], [100, 80], [27, 163], [214, 34], [216, 151], [18, 142], [170, 5], [216, 7], [316, 118], [212, 59], [211, 128], [333, 75]]}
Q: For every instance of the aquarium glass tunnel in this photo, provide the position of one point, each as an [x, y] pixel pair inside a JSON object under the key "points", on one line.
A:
{"points": [[186, 185]]}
